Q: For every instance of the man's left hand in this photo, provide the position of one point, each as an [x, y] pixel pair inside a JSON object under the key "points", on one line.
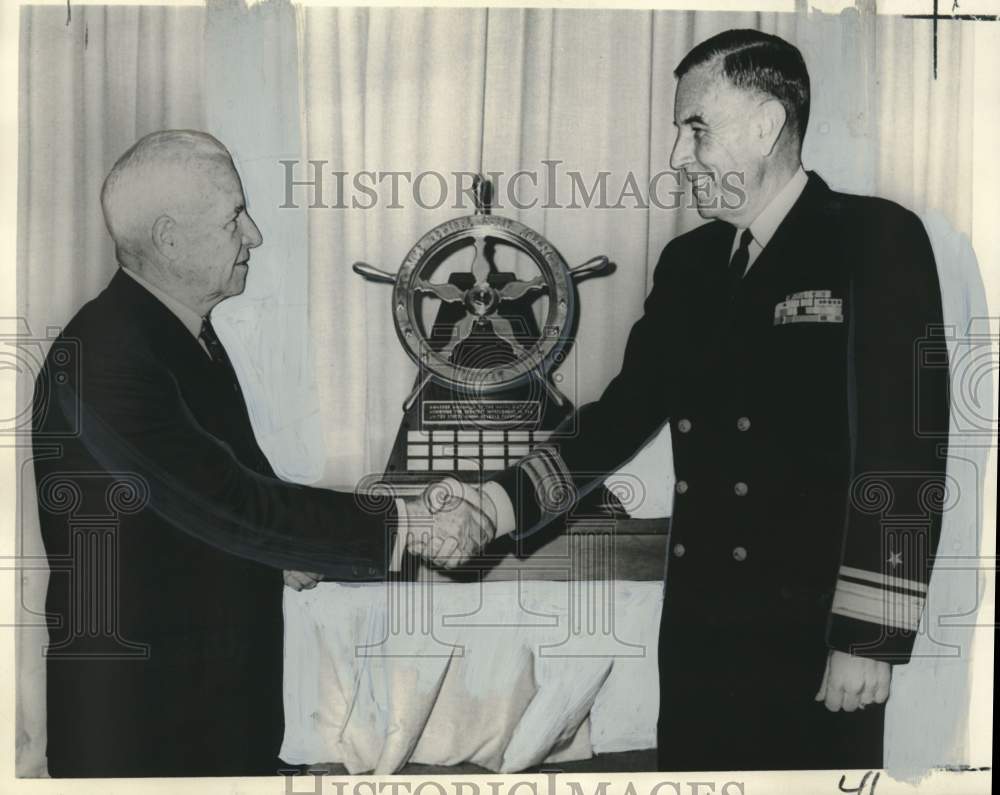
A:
{"points": [[851, 683], [301, 580]]}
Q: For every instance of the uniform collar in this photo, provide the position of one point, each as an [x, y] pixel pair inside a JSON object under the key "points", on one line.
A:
{"points": [[187, 316], [767, 222]]}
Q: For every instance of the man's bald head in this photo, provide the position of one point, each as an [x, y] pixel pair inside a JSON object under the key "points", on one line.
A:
{"points": [[175, 207], [163, 173]]}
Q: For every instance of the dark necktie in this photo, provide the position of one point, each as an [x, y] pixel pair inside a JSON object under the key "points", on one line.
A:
{"points": [[738, 264], [218, 353], [239, 426], [213, 343]]}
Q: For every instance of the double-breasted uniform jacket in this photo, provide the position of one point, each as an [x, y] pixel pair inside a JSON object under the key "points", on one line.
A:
{"points": [[166, 529], [808, 415]]}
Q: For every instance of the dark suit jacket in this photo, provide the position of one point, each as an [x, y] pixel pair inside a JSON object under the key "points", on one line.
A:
{"points": [[166, 530], [809, 417]]}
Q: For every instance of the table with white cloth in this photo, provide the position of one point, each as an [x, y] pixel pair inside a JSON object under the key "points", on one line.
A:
{"points": [[540, 655]]}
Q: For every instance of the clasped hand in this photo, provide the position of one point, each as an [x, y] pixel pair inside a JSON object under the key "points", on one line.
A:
{"points": [[449, 523], [851, 683]]}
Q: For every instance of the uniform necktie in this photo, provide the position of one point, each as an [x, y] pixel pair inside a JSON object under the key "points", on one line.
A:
{"points": [[738, 264]]}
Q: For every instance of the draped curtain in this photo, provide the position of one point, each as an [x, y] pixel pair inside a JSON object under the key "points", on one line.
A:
{"points": [[420, 90], [588, 90]]}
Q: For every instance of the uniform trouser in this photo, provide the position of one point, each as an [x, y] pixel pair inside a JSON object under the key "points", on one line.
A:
{"points": [[737, 688]]}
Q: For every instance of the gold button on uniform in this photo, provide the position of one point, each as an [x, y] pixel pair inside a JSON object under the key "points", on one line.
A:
{"points": [[743, 423], [684, 425], [681, 486], [739, 554], [679, 550], [741, 489]]}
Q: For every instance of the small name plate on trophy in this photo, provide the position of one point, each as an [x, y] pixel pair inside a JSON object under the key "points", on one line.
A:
{"points": [[462, 413]]}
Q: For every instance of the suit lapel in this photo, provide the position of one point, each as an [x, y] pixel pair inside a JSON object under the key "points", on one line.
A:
{"points": [[714, 268], [207, 386], [167, 336], [798, 223]]}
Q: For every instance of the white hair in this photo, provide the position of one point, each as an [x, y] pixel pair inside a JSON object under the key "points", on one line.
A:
{"points": [[149, 178]]}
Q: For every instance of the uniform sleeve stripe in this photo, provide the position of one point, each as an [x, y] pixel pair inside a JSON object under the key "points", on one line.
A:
{"points": [[893, 589], [877, 606], [550, 478], [883, 579]]}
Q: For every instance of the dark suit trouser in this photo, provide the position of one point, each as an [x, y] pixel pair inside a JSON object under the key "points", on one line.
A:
{"points": [[169, 715]]}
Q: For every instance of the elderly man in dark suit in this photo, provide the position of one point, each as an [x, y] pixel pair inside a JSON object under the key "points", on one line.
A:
{"points": [[166, 625], [780, 341]]}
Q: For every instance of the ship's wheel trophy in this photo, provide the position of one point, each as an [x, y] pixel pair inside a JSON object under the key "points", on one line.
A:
{"points": [[483, 396]]}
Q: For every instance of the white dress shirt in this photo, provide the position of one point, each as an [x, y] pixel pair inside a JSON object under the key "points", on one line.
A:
{"points": [[767, 222]]}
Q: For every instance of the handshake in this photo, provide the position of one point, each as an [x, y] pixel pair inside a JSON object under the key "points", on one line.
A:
{"points": [[447, 525]]}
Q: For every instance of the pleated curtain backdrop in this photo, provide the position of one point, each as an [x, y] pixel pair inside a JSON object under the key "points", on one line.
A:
{"points": [[385, 90], [89, 88], [420, 90]]}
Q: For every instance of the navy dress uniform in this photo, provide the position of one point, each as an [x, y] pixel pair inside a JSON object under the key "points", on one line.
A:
{"points": [[800, 420]]}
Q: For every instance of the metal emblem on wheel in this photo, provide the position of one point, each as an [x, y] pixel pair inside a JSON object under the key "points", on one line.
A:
{"points": [[493, 341]]}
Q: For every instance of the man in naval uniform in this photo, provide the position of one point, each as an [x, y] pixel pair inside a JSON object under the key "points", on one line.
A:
{"points": [[780, 342]]}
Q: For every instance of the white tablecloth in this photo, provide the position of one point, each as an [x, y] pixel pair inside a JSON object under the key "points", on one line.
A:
{"points": [[502, 674]]}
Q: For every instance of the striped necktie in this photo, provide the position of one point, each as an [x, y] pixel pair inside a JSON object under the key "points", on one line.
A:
{"points": [[218, 353], [213, 343]]}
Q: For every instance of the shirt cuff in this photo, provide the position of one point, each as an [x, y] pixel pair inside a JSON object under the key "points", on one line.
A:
{"points": [[505, 521]]}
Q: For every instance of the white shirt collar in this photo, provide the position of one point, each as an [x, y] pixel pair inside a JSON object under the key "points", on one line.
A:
{"points": [[767, 222], [191, 320]]}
